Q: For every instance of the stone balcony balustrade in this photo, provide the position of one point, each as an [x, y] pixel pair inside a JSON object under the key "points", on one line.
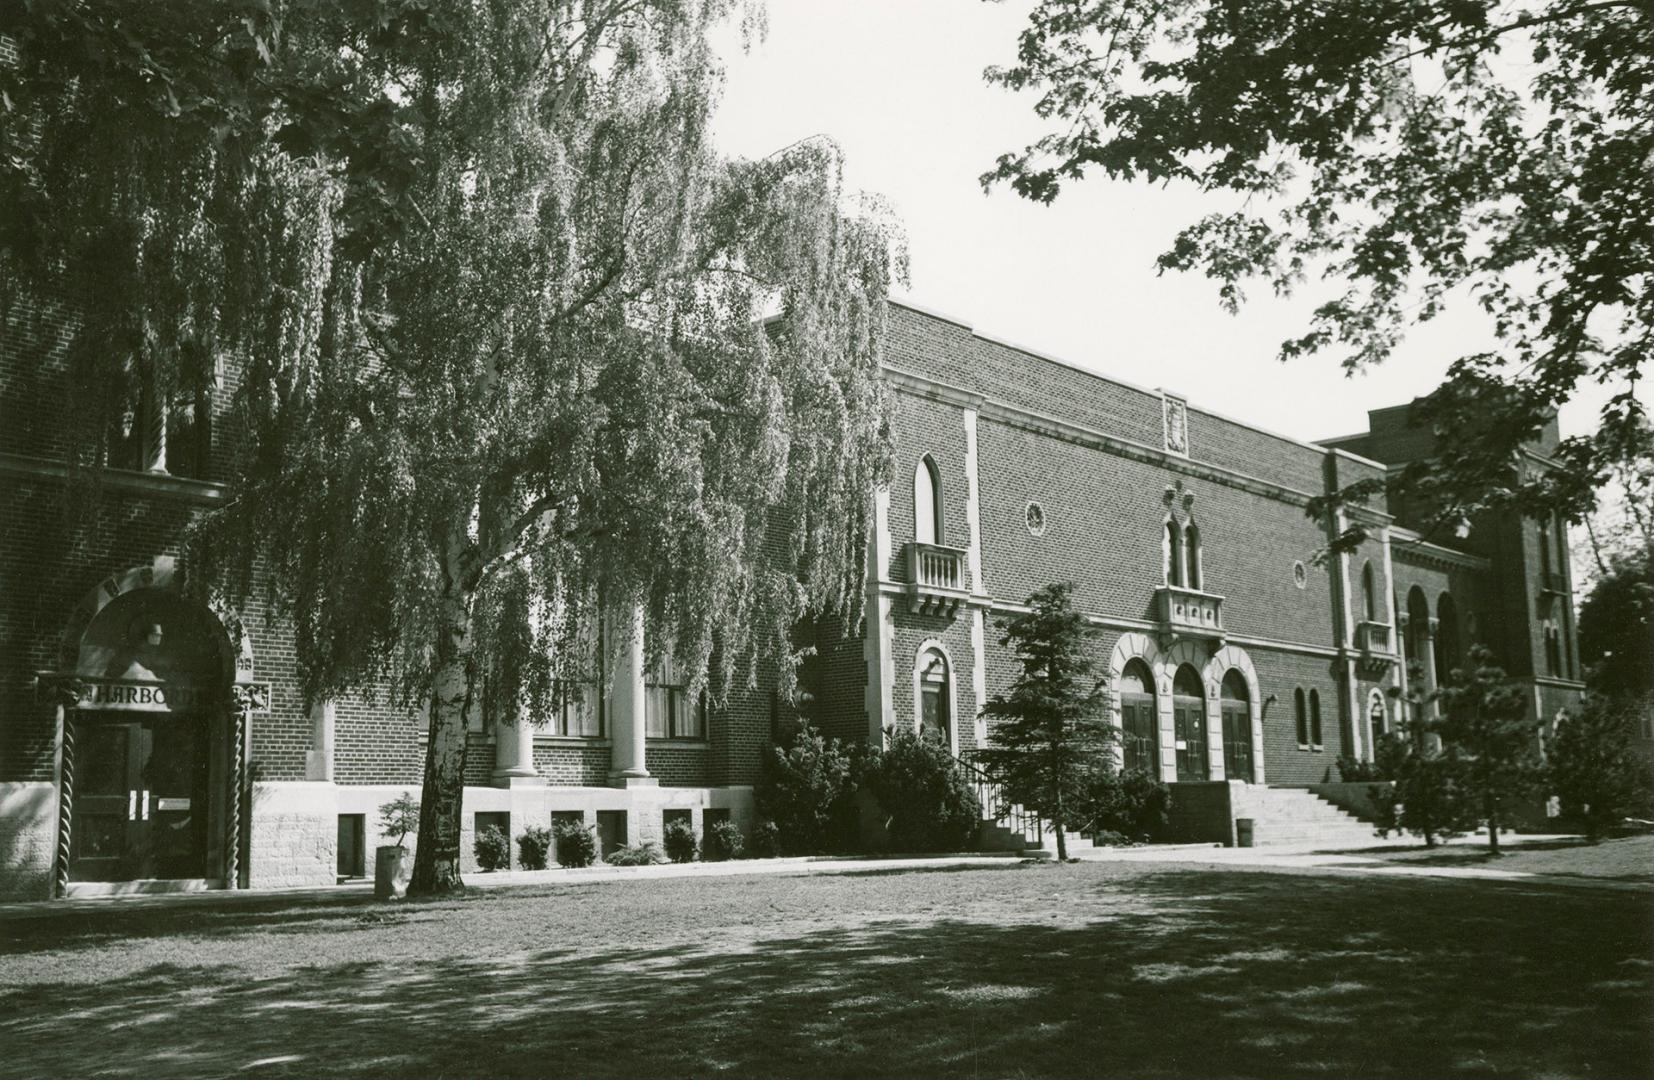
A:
{"points": [[1376, 643], [1189, 613], [938, 580]]}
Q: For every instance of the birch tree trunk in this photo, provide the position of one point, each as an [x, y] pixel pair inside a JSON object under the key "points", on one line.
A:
{"points": [[436, 858]]}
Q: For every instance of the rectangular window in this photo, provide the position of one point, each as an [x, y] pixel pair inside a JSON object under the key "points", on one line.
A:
{"points": [[668, 711], [611, 830], [576, 710], [352, 830]]}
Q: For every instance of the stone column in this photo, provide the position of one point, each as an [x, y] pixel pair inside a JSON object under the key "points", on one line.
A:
{"points": [[318, 760], [626, 728], [514, 751]]}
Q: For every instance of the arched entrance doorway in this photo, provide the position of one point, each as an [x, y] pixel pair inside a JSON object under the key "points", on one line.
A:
{"points": [[1189, 725], [1139, 720], [1237, 728], [153, 693]]}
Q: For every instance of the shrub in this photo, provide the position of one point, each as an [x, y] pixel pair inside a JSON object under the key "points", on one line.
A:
{"points": [[766, 841], [723, 841], [805, 791], [680, 841], [1133, 804], [399, 816], [644, 854], [532, 847], [928, 802], [1594, 769], [576, 844], [1110, 838], [493, 848], [1351, 770]]}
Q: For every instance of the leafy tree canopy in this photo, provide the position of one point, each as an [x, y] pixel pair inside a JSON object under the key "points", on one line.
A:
{"points": [[1402, 151], [500, 316], [1616, 627]]}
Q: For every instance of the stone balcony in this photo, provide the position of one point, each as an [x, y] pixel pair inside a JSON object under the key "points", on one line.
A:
{"points": [[1189, 613], [1376, 643], [938, 578]]}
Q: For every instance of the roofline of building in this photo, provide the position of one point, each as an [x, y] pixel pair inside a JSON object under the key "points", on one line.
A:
{"points": [[1412, 542], [1162, 392]]}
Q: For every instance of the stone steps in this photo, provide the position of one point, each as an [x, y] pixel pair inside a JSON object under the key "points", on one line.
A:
{"points": [[1299, 817]]}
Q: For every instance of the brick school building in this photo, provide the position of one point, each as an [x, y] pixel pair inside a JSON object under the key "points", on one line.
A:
{"points": [[148, 741]]}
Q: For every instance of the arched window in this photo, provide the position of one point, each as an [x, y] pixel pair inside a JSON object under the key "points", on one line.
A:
{"points": [[1377, 716], [1369, 594], [1139, 721], [1448, 655], [1553, 650], [927, 502], [1191, 556], [1315, 719], [1237, 727], [1300, 712], [1418, 626], [1173, 553], [935, 696], [1189, 725]]}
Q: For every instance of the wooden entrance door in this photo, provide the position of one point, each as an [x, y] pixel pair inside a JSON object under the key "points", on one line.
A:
{"points": [[1189, 720], [140, 801], [1237, 741]]}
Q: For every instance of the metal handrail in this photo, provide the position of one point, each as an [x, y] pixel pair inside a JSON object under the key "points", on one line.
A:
{"points": [[997, 807]]}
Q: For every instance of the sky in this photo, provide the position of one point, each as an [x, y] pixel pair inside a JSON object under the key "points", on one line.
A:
{"points": [[898, 85]]}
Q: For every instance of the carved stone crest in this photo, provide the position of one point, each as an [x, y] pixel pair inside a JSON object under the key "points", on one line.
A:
{"points": [[1176, 415]]}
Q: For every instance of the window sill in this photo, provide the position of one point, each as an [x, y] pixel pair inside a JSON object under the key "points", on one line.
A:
{"points": [[679, 744], [571, 740]]}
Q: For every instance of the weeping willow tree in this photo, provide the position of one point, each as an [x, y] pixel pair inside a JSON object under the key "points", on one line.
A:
{"points": [[517, 351]]}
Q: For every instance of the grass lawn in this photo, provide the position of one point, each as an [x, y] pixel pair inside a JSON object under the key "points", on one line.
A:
{"points": [[1123, 969], [1629, 858]]}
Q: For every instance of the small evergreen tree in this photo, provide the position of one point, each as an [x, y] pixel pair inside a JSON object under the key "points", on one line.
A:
{"points": [[1594, 770], [1428, 797], [1485, 719], [1047, 732]]}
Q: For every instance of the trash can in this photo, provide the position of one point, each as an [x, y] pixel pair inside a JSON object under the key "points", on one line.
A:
{"points": [[1243, 832]]}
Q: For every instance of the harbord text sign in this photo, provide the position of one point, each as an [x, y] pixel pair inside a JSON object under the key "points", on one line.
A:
{"points": [[119, 695]]}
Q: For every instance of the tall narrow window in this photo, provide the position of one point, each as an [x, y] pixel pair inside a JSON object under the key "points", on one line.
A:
{"points": [[1369, 595], [1448, 655], [1545, 545], [1315, 719], [1191, 556], [1553, 650], [927, 502], [935, 697], [1300, 711], [1173, 553]]}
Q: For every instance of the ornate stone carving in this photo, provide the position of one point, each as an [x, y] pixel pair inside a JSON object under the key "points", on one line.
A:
{"points": [[1176, 417]]}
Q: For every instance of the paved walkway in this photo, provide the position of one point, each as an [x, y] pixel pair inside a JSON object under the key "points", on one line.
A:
{"points": [[1288, 857]]}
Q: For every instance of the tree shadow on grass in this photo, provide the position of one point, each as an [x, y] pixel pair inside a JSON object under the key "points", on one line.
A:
{"points": [[1189, 974]]}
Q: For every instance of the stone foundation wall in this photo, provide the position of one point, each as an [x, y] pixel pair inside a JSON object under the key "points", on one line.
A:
{"points": [[28, 840]]}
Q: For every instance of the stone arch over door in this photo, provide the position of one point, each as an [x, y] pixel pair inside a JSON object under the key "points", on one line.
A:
{"points": [[1167, 662], [923, 660], [235, 647], [1227, 659], [154, 687], [1135, 646]]}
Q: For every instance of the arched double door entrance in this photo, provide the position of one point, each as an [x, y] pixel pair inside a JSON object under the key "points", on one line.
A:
{"points": [[153, 700]]}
